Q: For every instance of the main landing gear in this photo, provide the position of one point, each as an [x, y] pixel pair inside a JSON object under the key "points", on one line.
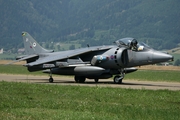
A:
{"points": [[79, 79]]}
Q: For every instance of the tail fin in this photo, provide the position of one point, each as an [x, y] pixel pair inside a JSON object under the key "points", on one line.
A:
{"points": [[31, 46]]}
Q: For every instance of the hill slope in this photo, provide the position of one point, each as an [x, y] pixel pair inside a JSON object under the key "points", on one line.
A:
{"points": [[96, 22]]}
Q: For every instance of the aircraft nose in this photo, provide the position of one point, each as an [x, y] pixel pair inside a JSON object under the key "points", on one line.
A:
{"points": [[162, 57]]}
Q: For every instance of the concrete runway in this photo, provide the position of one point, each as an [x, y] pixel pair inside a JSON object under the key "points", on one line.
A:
{"points": [[133, 84]]}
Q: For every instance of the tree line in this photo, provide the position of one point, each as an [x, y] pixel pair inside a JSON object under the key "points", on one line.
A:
{"points": [[155, 22]]}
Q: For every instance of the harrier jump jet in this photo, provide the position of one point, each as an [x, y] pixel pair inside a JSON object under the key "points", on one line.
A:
{"points": [[99, 62]]}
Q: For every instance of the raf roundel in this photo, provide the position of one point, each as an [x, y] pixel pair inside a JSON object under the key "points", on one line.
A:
{"points": [[34, 44]]}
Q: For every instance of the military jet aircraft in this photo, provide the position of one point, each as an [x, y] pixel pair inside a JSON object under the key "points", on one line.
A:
{"points": [[99, 62]]}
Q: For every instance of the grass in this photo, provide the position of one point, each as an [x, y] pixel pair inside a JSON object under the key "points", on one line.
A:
{"points": [[17, 69], [155, 75], [8, 56], [176, 56], [44, 101]]}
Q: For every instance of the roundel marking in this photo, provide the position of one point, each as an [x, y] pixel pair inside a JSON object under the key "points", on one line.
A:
{"points": [[34, 44]]}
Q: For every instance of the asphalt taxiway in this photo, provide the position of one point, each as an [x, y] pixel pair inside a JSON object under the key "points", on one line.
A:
{"points": [[61, 80]]}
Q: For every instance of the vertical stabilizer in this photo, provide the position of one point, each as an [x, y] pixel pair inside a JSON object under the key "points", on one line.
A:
{"points": [[31, 46]]}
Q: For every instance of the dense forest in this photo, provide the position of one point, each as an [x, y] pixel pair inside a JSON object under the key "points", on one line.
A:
{"points": [[96, 22]]}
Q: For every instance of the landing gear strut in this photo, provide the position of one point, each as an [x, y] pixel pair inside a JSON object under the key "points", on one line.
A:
{"points": [[118, 79], [50, 79], [96, 80]]}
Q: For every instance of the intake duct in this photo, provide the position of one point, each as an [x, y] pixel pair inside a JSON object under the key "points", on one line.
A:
{"points": [[114, 58], [121, 57]]}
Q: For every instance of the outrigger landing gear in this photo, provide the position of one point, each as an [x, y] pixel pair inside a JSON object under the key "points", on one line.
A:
{"points": [[96, 80], [118, 79], [50, 79]]}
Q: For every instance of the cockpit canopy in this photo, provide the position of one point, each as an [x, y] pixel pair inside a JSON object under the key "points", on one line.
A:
{"points": [[131, 43]]}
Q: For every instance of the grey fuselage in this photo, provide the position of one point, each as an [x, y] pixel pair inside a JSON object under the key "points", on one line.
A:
{"points": [[91, 62], [104, 63]]}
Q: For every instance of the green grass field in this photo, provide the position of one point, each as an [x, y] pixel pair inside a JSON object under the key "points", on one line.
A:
{"points": [[17, 69], [50, 102], [154, 75], [176, 56], [8, 56]]}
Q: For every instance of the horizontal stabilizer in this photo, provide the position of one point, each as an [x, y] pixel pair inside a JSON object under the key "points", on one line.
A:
{"points": [[23, 58]]}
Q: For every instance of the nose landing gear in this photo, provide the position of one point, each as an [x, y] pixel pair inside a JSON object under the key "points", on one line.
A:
{"points": [[118, 78]]}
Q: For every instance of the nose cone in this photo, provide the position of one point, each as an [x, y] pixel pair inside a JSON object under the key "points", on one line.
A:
{"points": [[161, 57]]}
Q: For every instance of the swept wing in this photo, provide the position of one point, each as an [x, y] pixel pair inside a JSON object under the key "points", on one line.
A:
{"points": [[66, 54]]}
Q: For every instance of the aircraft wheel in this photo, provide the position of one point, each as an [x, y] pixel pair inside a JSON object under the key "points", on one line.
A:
{"points": [[76, 79], [79, 79], [82, 79], [51, 80], [96, 80], [118, 79]]}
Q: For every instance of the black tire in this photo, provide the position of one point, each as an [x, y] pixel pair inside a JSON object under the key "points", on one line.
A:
{"points": [[82, 79], [51, 80], [120, 81], [117, 80], [79, 79], [76, 78]]}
